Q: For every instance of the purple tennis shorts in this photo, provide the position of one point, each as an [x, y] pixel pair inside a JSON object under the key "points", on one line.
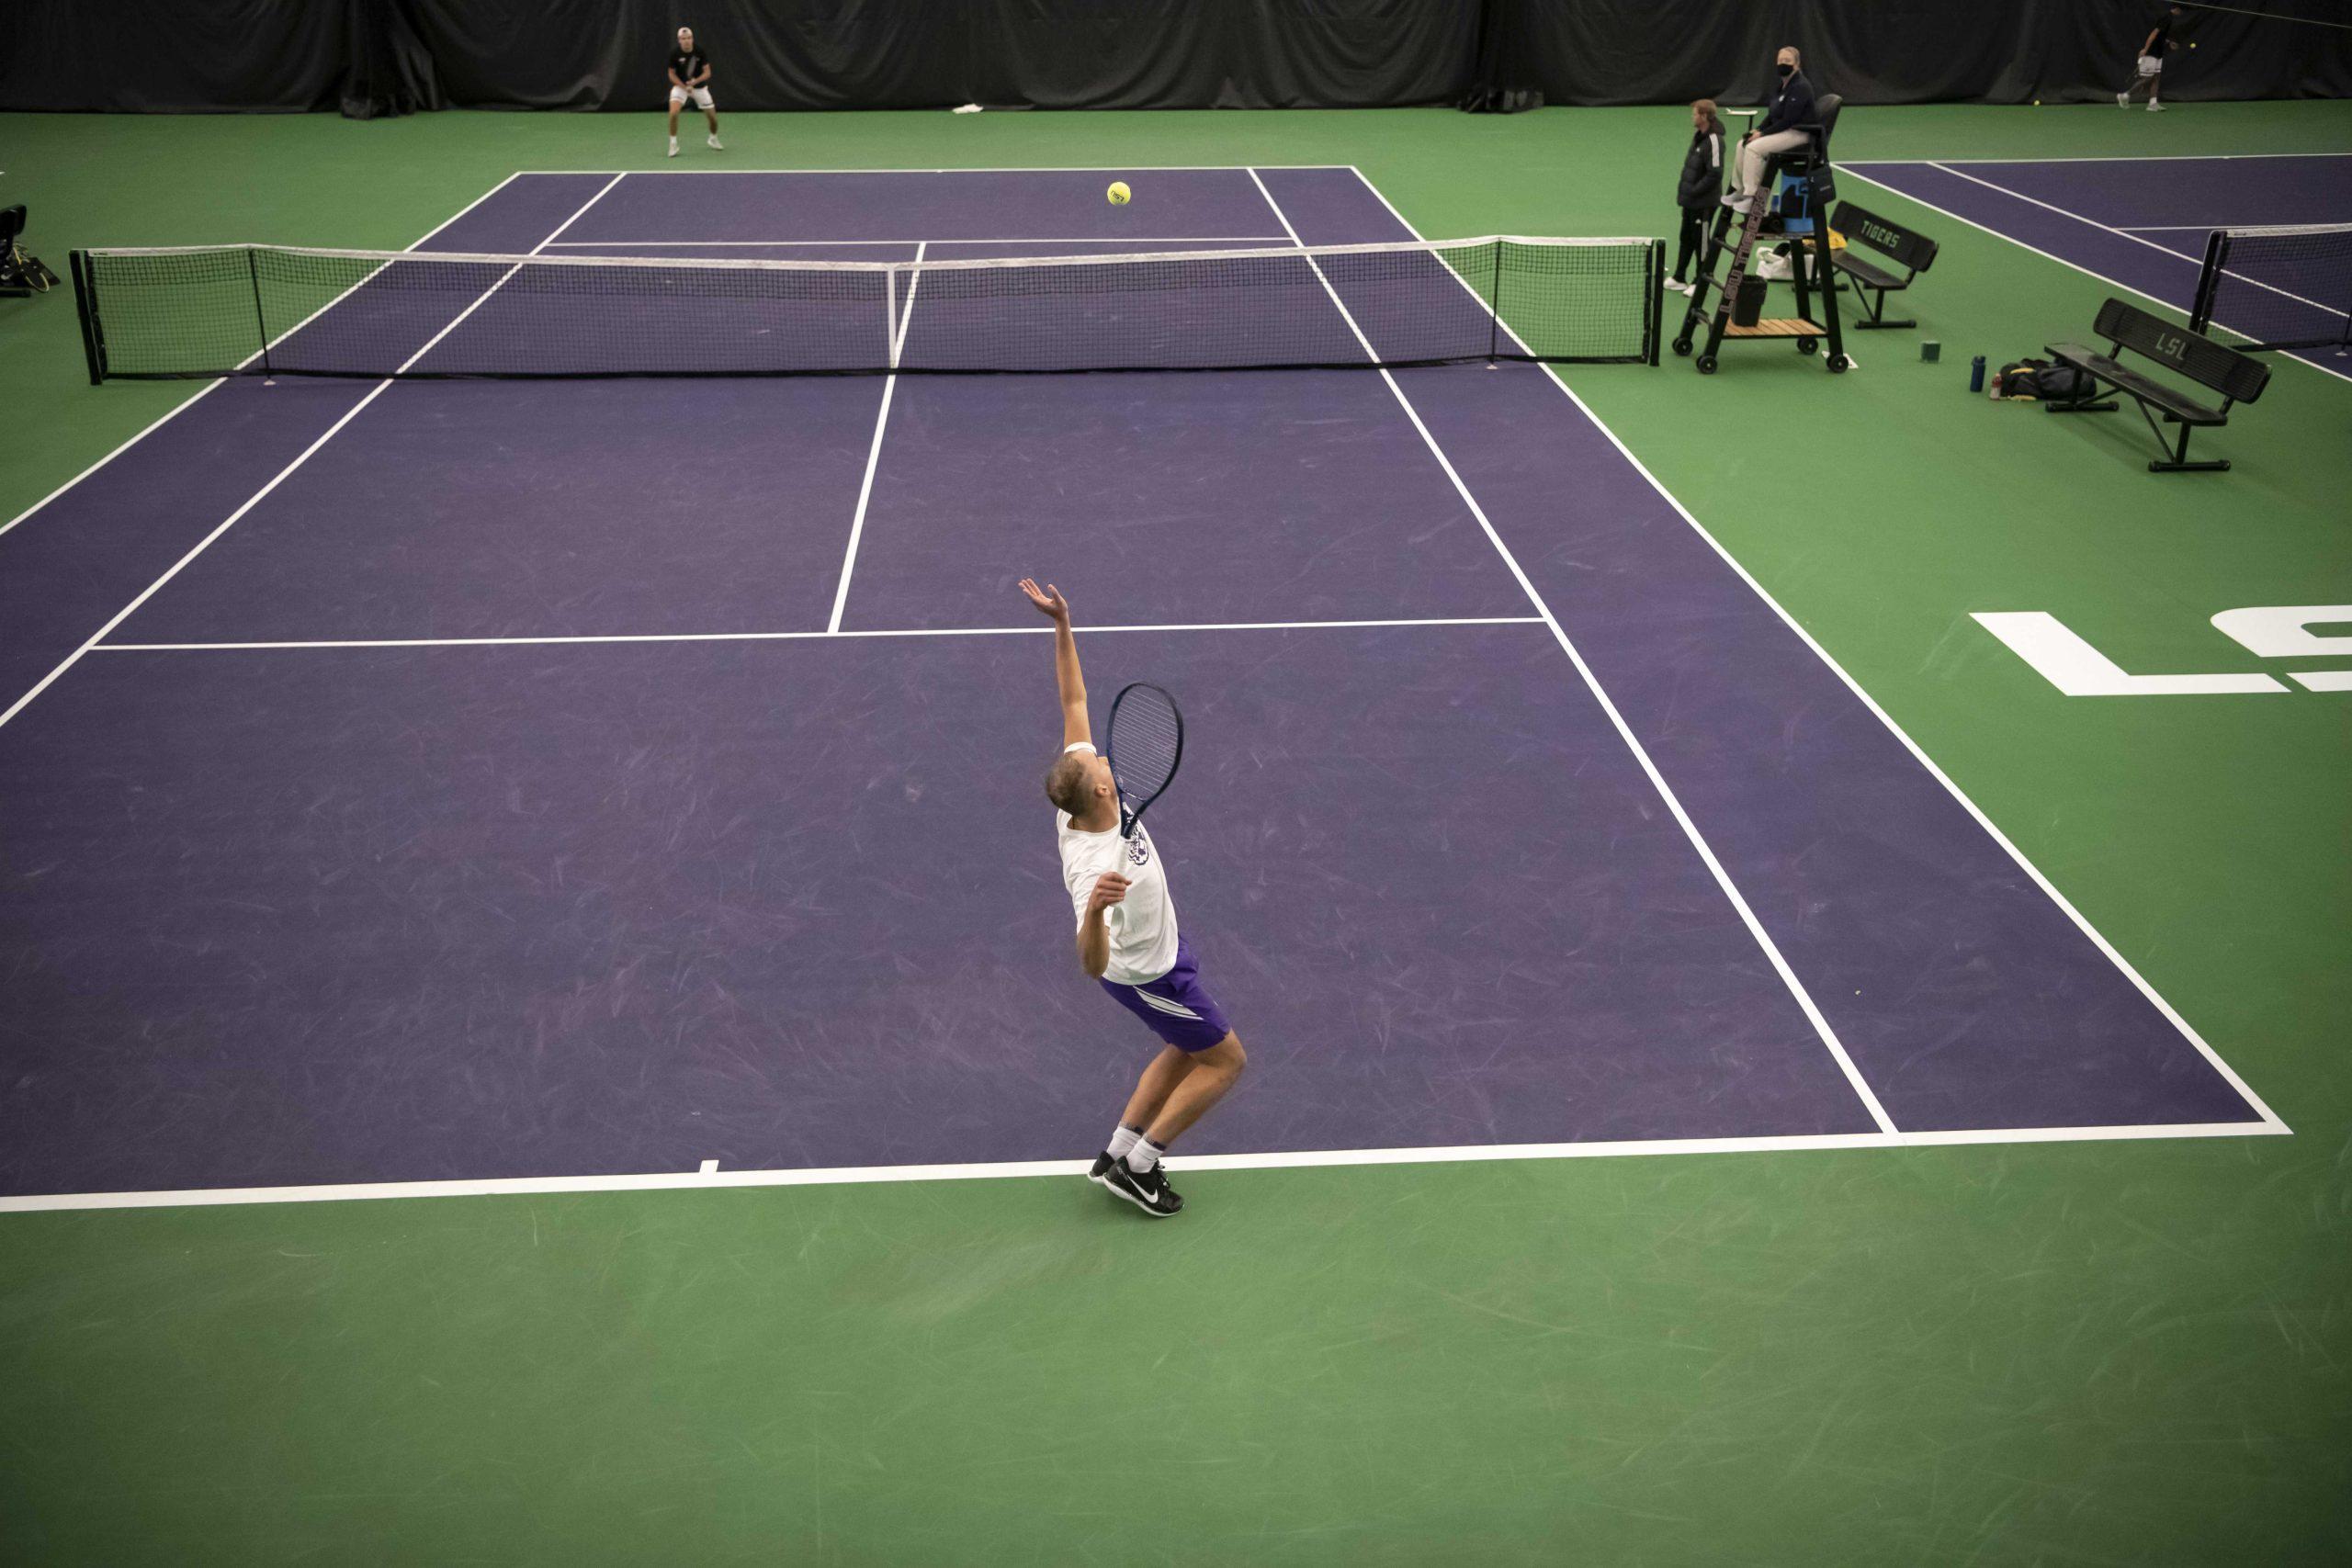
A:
{"points": [[1177, 1006]]}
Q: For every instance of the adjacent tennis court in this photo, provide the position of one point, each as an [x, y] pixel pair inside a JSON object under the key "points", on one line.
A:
{"points": [[2141, 223], [636, 780]]}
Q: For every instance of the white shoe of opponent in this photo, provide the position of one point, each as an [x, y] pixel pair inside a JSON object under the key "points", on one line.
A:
{"points": [[713, 139], [674, 146], [2155, 107]]}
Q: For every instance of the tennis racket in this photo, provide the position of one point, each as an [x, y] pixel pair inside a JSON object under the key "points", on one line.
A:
{"points": [[1147, 741]]}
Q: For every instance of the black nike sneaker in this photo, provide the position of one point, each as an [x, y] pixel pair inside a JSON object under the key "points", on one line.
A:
{"points": [[1103, 1163], [1146, 1189]]}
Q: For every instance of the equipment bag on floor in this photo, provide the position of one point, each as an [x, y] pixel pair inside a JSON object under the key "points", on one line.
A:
{"points": [[2039, 378]]}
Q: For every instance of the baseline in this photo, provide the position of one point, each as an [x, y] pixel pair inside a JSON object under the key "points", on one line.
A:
{"points": [[708, 1176]]}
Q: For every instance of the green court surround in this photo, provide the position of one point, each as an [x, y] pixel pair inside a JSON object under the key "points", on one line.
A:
{"points": [[2129, 1352]]}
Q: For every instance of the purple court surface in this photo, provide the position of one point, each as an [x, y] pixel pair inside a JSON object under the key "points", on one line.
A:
{"points": [[2141, 223], [491, 781]]}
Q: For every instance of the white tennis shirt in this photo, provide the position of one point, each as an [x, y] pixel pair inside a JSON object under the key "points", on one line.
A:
{"points": [[1143, 927]]}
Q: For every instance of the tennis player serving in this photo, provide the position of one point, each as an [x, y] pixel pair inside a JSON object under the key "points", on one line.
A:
{"points": [[1128, 937]]}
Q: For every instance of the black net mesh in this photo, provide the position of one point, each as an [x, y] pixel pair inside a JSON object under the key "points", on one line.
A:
{"points": [[274, 311], [2280, 288]]}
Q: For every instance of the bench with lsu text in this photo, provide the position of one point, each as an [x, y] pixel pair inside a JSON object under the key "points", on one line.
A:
{"points": [[2238, 378]]}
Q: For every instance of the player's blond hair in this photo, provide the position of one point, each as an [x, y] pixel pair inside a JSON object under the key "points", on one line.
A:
{"points": [[1066, 784]]}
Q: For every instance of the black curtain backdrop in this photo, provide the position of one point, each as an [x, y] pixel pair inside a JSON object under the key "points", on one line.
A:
{"points": [[1911, 51], [171, 56], [820, 54], [375, 57]]}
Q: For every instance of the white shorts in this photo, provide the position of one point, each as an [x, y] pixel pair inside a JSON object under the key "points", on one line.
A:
{"points": [[701, 96], [2150, 66]]}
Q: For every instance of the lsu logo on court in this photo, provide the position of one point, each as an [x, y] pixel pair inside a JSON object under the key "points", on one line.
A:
{"points": [[2268, 631]]}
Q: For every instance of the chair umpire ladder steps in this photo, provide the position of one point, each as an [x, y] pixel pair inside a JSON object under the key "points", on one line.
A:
{"points": [[1811, 273]]}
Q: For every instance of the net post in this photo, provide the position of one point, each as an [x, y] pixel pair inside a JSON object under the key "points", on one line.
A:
{"points": [[2208, 278], [1495, 309], [1654, 316], [85, 306], [261, 321]]}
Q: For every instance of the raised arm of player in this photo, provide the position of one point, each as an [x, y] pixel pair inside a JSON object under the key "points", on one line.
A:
{"points": [[1066, 675]]}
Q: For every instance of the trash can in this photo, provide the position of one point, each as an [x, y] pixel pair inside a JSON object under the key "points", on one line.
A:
{"points": [[1748, 308]]}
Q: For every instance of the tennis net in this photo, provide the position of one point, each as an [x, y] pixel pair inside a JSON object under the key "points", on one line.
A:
{"points": [[2289, 287], [274, 311]]}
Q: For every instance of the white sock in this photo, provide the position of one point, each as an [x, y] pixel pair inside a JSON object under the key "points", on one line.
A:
{"points": [[1144, 1156], [673, 144], [1123, 1139]]}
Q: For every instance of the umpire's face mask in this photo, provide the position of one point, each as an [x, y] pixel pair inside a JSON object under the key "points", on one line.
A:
{"points": [[1786, 68]]}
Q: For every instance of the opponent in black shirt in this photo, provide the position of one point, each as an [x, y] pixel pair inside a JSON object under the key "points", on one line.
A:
{"points": [[690, 78], [2150, 66]]}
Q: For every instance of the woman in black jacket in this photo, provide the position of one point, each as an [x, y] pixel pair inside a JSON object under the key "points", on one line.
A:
{"points": [[1703, 183]]}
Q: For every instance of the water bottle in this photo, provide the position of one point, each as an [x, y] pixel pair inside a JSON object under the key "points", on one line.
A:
{"points": [[1976, 374]]}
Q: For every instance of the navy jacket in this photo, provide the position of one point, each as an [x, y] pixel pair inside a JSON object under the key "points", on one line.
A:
{"points": [[1702, 169], [1791, 105]]}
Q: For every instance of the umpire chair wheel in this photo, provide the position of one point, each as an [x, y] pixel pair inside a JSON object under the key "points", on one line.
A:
{"points": [[1682, 346], [1809, 344], [1837, 362], [1706, 365]]}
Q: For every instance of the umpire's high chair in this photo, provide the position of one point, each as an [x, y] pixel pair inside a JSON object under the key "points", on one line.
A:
{"points": [[1809, 271]]}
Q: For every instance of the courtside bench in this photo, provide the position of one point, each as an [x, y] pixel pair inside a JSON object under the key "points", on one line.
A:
{"points": [[2237, 378], [1913, 252]]}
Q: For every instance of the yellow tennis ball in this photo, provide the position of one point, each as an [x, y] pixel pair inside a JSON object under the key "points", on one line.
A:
{"points": [[1119, 192]]}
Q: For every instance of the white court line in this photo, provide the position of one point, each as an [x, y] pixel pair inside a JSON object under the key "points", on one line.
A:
{"points": [[191, 400], [2194, 261], [904, 316], [250, 502], [898, 328], [2269, 1118], [978, 169], [2115, 158], [708, 1178], [2048, 256], [1027, 239], [1592, 684], [2165, 228], [558, 641]]}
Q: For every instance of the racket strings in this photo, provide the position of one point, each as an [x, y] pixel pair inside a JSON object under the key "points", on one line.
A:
{"points": [[1147, 738]]}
